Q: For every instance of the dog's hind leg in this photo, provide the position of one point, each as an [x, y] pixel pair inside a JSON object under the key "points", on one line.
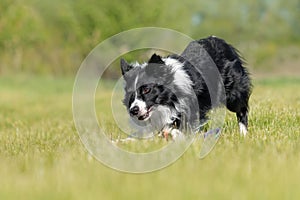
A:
{"points": [[242, 117]]}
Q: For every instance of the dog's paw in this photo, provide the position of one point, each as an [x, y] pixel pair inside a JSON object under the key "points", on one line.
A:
{"points": [[243, 129], [165, 132], [176, 134], [172, 133]]}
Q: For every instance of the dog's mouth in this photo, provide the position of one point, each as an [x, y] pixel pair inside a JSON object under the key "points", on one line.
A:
{"points": [[145, 116]]}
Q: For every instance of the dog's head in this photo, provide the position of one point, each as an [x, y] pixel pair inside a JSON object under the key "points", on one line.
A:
{"points": [[148, 88]]}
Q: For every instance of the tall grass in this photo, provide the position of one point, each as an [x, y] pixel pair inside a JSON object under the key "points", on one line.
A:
{"points": [[43, 158]]}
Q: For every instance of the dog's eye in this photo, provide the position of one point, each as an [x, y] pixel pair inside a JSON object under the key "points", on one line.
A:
{"points": [[146, 90]]}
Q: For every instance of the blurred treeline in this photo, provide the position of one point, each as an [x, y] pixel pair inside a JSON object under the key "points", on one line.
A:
{"points": [[54, 36]]}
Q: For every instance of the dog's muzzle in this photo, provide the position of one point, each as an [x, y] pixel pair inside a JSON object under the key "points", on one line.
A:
{"points": [[140, 113]]}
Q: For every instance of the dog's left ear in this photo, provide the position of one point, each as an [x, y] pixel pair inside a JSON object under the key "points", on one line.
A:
{"points": [[125, 67], [156, 59]]}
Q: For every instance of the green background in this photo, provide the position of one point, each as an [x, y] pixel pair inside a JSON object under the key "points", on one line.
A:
{"points": [[53, 37]]}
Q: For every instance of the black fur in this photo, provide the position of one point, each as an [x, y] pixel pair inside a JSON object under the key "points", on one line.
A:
{"points": [[235, 78]]}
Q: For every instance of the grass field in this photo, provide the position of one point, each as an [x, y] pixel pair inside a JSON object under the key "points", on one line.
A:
{"points": [[41, 156]]}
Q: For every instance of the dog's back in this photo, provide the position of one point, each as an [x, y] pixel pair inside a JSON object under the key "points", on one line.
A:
{"points": [[234, 75]]}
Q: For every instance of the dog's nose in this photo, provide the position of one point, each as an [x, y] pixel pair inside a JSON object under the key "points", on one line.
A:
{"points": [[134, 110]]}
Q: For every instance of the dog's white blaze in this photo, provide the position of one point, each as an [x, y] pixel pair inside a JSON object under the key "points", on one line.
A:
{"points": [[243, 129], [137, 102], [181, 79], [135, 83]]}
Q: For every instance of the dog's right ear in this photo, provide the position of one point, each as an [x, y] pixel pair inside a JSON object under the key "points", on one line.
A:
{"points": [[125, 67], [156, 59]]}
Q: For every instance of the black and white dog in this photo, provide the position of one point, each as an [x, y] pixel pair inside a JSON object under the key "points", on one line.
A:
{"points": [[159, 91]]}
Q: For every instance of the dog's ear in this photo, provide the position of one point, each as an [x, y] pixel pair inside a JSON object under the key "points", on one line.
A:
{"points": [[156, 59], [156, 67], [125, 67]]}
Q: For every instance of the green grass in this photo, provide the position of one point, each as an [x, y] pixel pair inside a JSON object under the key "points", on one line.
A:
{"points": [[42, 157]]}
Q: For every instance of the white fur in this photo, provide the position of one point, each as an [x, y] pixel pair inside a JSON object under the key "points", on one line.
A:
{"points": [[177, 134], [162, 115], [135, 84], [181, 78], [136, 64], [184, 83], [175, 64], [243, 129], [143, 65]]}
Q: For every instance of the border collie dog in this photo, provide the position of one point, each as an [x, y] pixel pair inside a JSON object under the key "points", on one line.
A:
{"points": [[158, 92]]}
